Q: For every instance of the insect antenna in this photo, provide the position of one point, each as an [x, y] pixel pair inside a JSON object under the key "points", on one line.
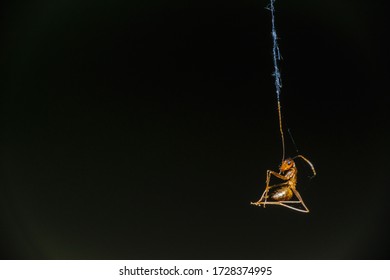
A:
{"points": [[309, 163], [301, 156], [292, 140]]}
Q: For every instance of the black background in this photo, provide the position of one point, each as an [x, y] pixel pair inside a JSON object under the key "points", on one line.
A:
{"points": [[143, 129]]}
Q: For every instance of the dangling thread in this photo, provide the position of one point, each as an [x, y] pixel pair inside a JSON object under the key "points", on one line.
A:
{"points": [[282, 193], [276, 74]]}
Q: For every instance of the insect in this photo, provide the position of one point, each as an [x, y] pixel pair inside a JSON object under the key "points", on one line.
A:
{"points": [[282, 193]]}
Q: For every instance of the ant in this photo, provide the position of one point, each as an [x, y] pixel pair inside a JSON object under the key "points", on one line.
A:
{"points": [[285, 191]]}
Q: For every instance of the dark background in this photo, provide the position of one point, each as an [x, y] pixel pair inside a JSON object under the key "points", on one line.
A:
{"points": [[143, 129]]}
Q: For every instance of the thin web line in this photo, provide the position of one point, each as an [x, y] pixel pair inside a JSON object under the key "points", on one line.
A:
{"points": [[275, 52], [278, 80]]}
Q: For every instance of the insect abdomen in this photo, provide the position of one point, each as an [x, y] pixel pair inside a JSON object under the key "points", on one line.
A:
{"points": [[284, 193]]}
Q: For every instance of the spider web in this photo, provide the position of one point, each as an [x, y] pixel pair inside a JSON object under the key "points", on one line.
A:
{"points": [[275, 51]]}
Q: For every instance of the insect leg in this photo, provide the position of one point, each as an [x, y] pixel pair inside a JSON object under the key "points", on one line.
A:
{"points": [[277, 175], [282, 203], [301, 200]]}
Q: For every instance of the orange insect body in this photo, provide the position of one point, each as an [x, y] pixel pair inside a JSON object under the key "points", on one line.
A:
{"points": [[282, 193]]}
